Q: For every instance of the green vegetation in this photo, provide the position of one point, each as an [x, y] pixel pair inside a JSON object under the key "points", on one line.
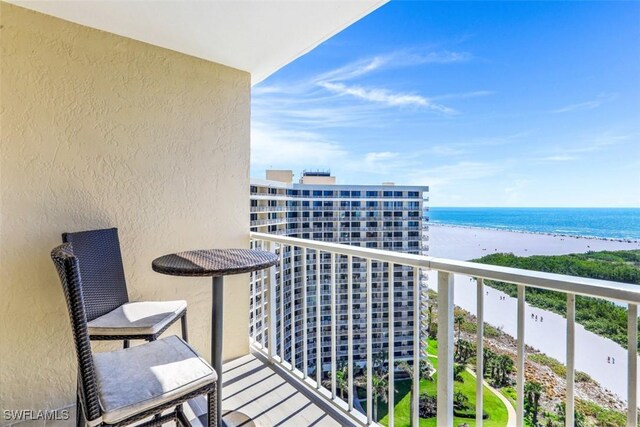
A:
{"points": [[557, 367], [493, 406], [596, 315], [604, 417]]}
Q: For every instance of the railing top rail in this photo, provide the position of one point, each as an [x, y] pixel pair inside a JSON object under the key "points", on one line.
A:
{"points": [[623, 292]]}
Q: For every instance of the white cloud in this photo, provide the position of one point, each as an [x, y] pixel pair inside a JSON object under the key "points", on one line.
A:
{"points": [[558, 158], [397, 59], [464, 95], [386, 97], [587, 105], [277, 148]]}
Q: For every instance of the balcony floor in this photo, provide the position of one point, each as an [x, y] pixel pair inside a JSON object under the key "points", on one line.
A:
{"points": [[260, 392]]}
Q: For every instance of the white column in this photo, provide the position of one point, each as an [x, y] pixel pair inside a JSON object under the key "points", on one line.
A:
{"points": [[479, 351], [445, 349], [571, 360], [350, 330], [292, 261], [520, 359], [318, 324], [415, 419], [632, 372], [391, 398], [305, 366], [369, 348], [333, 326], [272, 307]]}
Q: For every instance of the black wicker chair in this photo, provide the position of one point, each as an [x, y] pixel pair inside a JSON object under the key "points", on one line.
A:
{"points": [[110, 315], [122, 387]]}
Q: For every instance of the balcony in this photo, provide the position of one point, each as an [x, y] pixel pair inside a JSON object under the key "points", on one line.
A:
{"points": [[290, 345]]}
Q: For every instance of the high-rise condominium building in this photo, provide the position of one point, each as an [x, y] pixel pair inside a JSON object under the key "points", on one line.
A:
{"points": [[390, 217]]}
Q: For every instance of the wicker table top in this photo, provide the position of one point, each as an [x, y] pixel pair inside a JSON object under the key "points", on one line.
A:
{"points": [[213, 262]]}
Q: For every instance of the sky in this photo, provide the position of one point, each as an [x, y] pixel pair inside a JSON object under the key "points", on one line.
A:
{"points": [[505, 104]]}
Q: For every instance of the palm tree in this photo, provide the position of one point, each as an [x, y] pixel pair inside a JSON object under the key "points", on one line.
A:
{"points": [[342, 381], [379, 360], [532, 393], [379, 387], [459, 319]]}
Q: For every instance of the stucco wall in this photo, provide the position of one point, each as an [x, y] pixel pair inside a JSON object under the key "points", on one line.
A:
{"points": [[99, 131]]}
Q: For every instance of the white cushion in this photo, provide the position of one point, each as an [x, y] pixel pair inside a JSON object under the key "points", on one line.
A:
{"points": [[135, 379], [137, 318]]}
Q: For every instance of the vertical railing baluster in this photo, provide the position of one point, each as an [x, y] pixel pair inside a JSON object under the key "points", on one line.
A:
{"points": [[415, 418], [445, 349], [333, 325], [304, 313], [253, 278], [272, 308], [520, 359], [263, 291], [632, 363], [391, 317], [282, 302], [369, 346], [292, 260], [318, 324], [350, 396], [571, 333], [479, 351]]}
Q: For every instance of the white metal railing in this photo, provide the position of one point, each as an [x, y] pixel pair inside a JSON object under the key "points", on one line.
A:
{"points": [[311, 280]]}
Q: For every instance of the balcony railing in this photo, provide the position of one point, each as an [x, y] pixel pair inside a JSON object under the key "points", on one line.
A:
{"points": [[280, 348]]}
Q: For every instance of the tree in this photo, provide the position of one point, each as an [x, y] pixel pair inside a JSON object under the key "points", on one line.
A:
{"points": [[464, 350], [426, 372], [379, 388], [578, 417], [459, 319], [532, 394], [379, 360], [458, 369], [428, 406], [342, 381]]}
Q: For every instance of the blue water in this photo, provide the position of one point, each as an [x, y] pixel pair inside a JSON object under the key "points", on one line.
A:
{"points": [[610, 223]]}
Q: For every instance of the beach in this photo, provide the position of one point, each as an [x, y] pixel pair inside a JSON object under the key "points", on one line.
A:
{"points": [[547, 335], [465, 243]]}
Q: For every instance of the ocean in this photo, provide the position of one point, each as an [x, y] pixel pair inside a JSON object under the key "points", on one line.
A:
{"points": [[608, 223]]}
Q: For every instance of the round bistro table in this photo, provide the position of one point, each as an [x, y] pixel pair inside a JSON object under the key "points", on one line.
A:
{"points": [[215, 263]]}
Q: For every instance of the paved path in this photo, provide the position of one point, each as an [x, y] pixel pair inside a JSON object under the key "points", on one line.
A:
{"points": [[511, 412]]}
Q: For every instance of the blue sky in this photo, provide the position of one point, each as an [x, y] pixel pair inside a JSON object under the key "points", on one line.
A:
{"points": [[488, 103]]}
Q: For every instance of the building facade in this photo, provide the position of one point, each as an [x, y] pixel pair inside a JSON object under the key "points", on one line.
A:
{"points": [[388, 216]]}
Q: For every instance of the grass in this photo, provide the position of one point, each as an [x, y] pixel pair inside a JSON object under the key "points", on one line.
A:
{"points": [[492, 404]]}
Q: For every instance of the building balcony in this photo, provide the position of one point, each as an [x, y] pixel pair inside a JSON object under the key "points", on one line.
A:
{"points": [[295, 351]]}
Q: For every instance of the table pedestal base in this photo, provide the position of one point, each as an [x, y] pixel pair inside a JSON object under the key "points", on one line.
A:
{"points": [[232, 419]]}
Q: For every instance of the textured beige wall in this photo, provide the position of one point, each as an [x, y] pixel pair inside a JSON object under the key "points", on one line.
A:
{"points": [[98, 131]]}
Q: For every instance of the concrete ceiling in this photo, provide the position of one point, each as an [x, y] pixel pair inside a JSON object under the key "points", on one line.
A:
{"points": [[258, 36]]}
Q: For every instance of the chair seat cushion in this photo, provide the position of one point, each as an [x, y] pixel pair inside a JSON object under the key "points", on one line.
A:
{"points": [[135, 379], [137, 318]]}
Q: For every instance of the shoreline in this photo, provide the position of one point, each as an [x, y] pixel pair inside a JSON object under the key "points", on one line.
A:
{"points": [[549, 337], [543, 233]]}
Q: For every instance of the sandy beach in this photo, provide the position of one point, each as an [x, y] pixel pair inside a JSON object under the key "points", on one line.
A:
{"points": [[548, 335], [466, 243]]}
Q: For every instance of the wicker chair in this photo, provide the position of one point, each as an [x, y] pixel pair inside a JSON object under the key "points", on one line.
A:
{"points": [[122, 387], [110, 314]]}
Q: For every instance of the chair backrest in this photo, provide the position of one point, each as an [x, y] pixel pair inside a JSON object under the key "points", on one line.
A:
{"points": [[103, 282], [68, 269]]}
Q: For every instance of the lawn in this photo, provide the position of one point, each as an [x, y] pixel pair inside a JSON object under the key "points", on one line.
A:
{"points": [[492, 405]]}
